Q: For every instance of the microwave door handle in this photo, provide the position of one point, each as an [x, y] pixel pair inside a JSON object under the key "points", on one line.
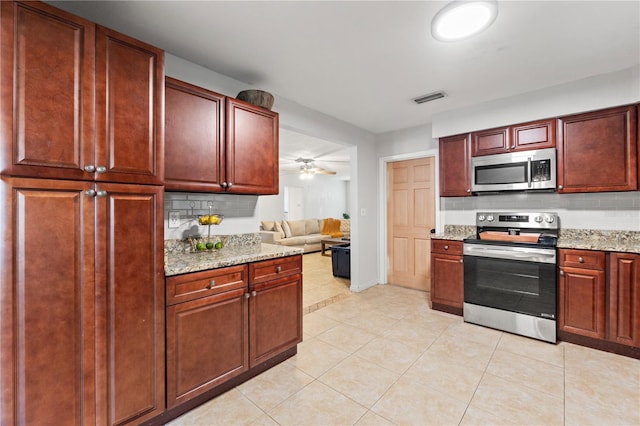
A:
{"points": [[529, 171]]}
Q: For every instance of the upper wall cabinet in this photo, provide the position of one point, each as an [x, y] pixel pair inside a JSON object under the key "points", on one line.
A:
{"points": [[218, 144], [455, 166], [521, 137], [598, 151], [78, 101]]}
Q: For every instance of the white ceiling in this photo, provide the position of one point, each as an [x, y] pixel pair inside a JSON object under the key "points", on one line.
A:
{"points": [[362, 62]]}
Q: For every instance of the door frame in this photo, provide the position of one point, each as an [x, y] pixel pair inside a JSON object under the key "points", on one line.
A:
{"points": [[383, 260]]}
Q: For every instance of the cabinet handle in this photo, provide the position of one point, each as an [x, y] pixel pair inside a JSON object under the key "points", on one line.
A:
{"points": [[278, 269], [446, 247], [90, 192], [460, 260], [101, 169], [253, 293], [513, 146], [559, 186], [89, 168], [469, 190], [581, 259], [229, 185], [101, 193], [247, 295], [561, 272], [224, 185], [211, 284]]}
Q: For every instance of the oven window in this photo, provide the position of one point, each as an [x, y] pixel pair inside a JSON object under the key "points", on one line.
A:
{"points": [[501, 173], [516, 286]]}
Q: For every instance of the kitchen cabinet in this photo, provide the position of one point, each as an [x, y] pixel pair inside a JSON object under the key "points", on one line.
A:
{"points": [[520, 137], [224, 322], [86, 99], [624, 298], [597, 151], [207, 331], [82, 302], [447, 276], [581, 293], [219, 144], [455, 166]]}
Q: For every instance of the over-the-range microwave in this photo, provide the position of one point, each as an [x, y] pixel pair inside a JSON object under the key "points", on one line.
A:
{"points": [[514, 171]]}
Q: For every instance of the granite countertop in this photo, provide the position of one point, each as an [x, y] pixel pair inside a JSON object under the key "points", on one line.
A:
{"points": [[590, 239], [455, 232], [179, 257]]}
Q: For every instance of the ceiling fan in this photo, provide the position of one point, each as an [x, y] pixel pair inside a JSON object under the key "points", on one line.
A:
{"points": [[308, 167]]}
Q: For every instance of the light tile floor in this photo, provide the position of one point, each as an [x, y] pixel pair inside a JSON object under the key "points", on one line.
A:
{"points": [[383, 357]]}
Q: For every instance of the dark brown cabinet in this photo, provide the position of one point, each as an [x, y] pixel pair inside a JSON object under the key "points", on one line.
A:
{"points": [[224, 322], [624, 298], [220, 144], [86, 99], [455, 166], [82, 302], [520, 137], [447, 276], [207, 336], [597, 151], [581, 293]]}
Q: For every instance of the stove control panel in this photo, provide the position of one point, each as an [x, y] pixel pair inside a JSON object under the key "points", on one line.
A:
{"points": [[542, 220]]}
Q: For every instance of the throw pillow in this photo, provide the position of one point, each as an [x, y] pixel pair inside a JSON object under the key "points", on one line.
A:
{"points": [[297, 227], [268, 225], [278, 228], [311, 226], [286, 229], [345, 225]]}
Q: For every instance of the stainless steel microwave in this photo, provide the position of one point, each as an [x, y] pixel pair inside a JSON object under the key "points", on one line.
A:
{"points": [[514, 171]]}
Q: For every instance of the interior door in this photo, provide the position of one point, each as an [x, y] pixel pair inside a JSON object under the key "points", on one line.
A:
{"points": [[411, 216]]}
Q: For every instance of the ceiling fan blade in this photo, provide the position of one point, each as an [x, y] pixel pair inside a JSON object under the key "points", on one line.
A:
{"points": [[325, 172]]}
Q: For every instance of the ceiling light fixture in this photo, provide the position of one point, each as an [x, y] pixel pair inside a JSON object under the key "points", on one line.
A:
{"points": [[461, 19]]}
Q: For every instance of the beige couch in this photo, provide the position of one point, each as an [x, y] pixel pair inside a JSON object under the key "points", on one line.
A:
{"points": [[299, 233]]}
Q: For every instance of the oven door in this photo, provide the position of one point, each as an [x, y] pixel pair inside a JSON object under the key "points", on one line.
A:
{"points": [[515, 279]]}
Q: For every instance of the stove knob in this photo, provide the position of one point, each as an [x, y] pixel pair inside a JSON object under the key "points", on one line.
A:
{"points": [[549, 219], [490, 218], [481, 218], [538, 219]]}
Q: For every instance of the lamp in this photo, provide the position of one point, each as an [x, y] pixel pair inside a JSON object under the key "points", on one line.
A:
{"points": [[461, 19]]}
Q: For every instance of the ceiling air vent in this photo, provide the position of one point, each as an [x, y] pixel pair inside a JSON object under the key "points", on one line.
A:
{"points": [[430, 97]]}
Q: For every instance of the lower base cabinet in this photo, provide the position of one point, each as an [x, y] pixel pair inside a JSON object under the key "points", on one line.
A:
{"points": [[224, 322], [599, 300], [447, 276]]}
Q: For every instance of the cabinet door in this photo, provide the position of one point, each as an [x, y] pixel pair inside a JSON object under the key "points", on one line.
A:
{"points": [[47, 92], [534, 135], [47, 303], [597, 151], [251, 158], [447, 283], [493, 141], [129, 109], [194, 137], [275, 317], [207, 344], [581, 307], [624, 298], [455, 166], [130, 302]]}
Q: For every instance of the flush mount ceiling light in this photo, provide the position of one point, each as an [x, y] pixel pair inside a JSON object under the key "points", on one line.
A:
{"points": [[461, 19]]}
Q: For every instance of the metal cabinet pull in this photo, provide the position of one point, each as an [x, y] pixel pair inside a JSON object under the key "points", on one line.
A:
{"points": [[468, 190], [101, 169], [224, 185], [446, 247], [229, 185], [460, 260], [90, 192], [559, 186], [101, 193], [247, 295], [253, 293], [89, 168], [211, 284], [278, 269], [581, 260], [561, 272]]}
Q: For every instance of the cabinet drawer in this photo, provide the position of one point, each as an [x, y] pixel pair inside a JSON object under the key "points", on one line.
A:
{"points": [[446, 246], [274, 269], [186, 287], [584, 259]]}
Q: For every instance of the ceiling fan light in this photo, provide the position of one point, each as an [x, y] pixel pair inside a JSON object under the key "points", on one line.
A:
{"points": [[462, 19]]}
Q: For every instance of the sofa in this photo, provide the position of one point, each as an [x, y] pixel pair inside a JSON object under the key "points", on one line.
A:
{"points": [[305, 233]]}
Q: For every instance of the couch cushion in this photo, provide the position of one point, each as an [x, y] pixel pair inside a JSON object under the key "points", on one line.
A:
{"points": [[268, 225], [278, 228], [294, 241], [286, 229], [297, 227], [311, 226]]}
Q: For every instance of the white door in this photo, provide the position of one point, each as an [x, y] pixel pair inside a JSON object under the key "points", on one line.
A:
{"points": [[294, 202]]}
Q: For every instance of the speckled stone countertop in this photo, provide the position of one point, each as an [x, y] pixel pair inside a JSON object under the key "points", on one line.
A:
{"points": [[455, 232], [590, 239], [181, 257]]}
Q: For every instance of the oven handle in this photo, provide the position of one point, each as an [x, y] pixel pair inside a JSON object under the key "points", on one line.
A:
{"points": [[515, 253], [529, 172]]}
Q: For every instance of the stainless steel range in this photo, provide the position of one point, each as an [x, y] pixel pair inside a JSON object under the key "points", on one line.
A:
{"points": [[510, 273]]}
